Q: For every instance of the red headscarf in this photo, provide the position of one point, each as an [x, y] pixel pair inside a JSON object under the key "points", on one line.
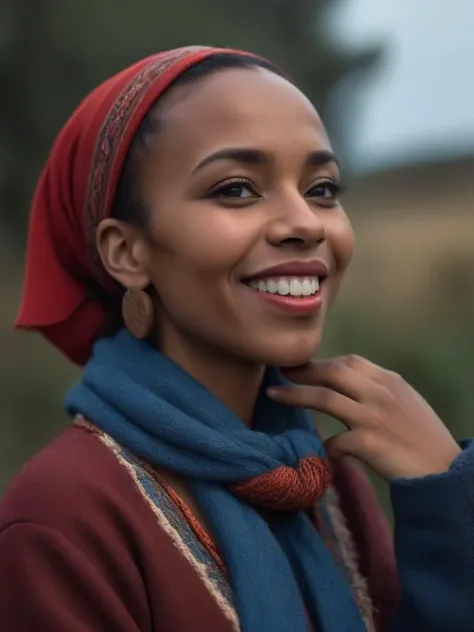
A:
{"points": [[76, 191]]}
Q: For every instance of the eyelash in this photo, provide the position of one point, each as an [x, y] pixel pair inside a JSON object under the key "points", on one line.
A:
{"points": [[220, 188], [336, 188]]}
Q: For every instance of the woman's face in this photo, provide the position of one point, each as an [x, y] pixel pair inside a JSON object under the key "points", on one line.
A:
{"points": [[249, 242]]}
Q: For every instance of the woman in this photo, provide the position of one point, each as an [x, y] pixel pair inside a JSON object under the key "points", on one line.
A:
{"points": [[185, 235]]}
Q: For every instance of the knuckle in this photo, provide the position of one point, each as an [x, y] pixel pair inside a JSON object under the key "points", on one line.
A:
{"points": [[367, 441], [394, 376], [332, 369], [397, 378], [325, 397], [353, 360], [378, 418], [387, 378]]}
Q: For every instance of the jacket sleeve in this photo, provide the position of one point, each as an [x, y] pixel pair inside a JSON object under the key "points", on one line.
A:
{"points": [[47, 584], [434, 548]]}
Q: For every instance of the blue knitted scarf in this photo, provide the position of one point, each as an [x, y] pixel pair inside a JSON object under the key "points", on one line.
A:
{"points": [[163, 415]]}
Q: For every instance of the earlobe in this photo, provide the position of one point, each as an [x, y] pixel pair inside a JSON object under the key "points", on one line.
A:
{"points": [[123, 253]]}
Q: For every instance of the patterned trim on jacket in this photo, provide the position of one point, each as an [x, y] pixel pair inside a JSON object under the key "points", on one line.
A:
{"points": [[332, 526]]}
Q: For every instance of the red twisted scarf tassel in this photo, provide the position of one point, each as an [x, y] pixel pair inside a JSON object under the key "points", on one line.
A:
{"points": [[287, 488]]}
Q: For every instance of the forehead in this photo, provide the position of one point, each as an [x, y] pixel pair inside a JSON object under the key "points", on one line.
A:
{"points": [[251, 106]]}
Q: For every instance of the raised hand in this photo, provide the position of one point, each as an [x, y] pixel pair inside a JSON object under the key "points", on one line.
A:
{"points": [[390, 426]]}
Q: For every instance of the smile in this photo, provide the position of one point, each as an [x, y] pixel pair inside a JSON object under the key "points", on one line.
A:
{"points": [[297, 296], [297, 287]]}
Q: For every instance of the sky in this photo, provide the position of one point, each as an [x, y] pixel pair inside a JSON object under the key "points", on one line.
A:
{"points": [[421, 101]]}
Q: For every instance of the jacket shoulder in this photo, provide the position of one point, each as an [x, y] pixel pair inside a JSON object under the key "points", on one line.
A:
{"points": [[74, 475]]}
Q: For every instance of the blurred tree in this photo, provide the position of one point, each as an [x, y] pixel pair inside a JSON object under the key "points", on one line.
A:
{"points": [[53, 52]]}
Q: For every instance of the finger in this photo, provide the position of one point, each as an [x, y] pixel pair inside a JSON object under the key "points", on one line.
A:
{"points": [[364, 446], [351, 361], [351, 443], [364, 366], [351, 413], [335, 374]]}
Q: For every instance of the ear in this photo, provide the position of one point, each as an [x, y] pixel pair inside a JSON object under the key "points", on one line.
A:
{"points": [[124, 253]]}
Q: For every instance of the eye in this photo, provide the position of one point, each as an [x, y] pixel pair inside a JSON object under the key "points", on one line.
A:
{"points": [[326, 190], [235, 189]]}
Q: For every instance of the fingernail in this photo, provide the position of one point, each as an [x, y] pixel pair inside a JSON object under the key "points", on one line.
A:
{"points": [[273, 391]]}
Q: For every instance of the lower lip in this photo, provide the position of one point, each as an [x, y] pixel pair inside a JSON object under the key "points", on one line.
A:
{"points": [[298, 306]]}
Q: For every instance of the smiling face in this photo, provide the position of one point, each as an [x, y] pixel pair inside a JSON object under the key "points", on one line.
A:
{"points": [[247, 242]]}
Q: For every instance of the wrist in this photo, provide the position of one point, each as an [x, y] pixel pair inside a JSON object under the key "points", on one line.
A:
{"points": [[440, 465]]}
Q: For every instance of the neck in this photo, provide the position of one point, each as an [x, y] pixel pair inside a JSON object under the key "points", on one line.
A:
{"points": [[232, 380]]}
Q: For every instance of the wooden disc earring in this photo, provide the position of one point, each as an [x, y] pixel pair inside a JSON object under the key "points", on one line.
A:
{"points": [[138, 313]]}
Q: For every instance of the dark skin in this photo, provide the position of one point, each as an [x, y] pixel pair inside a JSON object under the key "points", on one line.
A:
{"points": [[217, 220], [390, 426], [204, 238]]}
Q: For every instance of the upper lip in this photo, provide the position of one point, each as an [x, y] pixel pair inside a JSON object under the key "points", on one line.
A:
{"points": [[316, 267]]}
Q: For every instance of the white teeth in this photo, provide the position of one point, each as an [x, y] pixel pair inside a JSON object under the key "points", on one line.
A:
{"points": [[308, 287], [283, 287], [272, 286], [294, 286]]}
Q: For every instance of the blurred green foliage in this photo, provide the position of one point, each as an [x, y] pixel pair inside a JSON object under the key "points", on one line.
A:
{"points": [[55, 51], [436, 360]]}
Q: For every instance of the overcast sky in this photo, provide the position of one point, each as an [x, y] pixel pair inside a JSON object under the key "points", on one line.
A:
{"points": [[423, 99]]}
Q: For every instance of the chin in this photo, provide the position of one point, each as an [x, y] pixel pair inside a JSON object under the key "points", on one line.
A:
{"points": [[291, 351]]}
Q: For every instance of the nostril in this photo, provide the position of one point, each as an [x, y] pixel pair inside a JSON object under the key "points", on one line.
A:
{"points": [[293, 240]]}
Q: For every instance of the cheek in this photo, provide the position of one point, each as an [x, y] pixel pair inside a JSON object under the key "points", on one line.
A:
{"points": [[341, 238], [205, 242], [193, 269], [196, 255]]}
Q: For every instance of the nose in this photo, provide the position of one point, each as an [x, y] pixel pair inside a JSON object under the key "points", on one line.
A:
{"points": [[298, 223]]}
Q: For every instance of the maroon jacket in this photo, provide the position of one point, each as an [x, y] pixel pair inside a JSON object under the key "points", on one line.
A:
{"points": [[89, 541]]}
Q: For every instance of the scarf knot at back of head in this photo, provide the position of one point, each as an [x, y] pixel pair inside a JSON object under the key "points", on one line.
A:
{"points": [[76, 190]]}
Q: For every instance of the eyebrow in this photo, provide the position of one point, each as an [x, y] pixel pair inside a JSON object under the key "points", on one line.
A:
{"points": [[250, 156]]}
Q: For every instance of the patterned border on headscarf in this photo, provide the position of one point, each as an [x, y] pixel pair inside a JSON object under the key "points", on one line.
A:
{"points": [[111, 134]]}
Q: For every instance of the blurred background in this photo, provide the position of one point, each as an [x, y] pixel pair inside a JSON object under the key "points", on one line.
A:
{"points": [[393, 82]]}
